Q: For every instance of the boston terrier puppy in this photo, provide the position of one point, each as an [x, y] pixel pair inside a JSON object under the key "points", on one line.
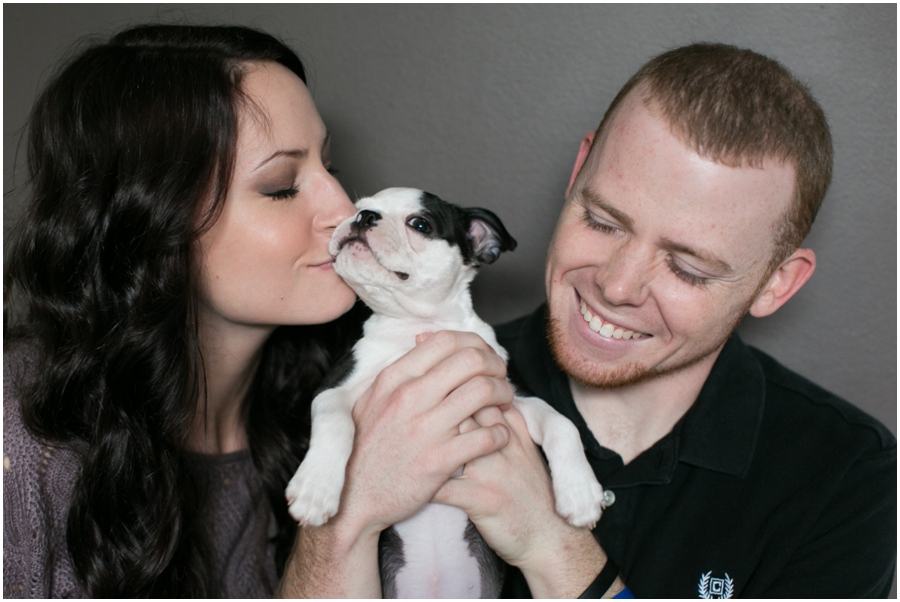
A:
{"points": [[410, 257]]}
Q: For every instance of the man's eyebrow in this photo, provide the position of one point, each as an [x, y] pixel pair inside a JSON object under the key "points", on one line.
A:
{"points": [[721, 268], [596, 200]]}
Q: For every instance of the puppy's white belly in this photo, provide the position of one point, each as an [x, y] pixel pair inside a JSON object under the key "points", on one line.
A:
{"points": [[438, 563]]}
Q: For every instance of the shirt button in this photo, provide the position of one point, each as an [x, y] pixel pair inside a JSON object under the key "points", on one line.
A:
{"points": [[609, 498]]}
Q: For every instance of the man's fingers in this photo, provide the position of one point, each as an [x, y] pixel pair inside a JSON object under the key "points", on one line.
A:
{"points": [[456, 492], [474, 395], [467, 425], [473, 444], [489, 416]]}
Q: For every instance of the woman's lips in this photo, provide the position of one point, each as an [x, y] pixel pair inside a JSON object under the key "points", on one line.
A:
{"points": [[325, 265]]}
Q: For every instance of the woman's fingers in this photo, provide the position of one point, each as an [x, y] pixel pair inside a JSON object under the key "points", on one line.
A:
{"points": [[414, 426], [444, 345], [435, 369]]}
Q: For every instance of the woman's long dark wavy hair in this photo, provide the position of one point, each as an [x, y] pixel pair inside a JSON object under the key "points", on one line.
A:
{"points": [[127, 145]]}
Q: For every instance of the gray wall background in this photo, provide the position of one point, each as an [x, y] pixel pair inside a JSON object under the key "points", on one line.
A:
{"points": [[486, 105]]}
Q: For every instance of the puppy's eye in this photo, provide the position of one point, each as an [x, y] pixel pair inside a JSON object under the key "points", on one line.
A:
{"points": [[419, 224]]}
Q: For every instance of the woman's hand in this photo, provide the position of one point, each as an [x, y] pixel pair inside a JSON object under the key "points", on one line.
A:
{"points": [[408, 439], [408, 442]]}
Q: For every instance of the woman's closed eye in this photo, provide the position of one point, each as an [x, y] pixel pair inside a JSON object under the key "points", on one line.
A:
{"points": [[283, 194]]}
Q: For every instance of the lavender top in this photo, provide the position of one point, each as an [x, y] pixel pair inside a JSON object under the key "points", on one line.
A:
{"points": [[38, 480]]}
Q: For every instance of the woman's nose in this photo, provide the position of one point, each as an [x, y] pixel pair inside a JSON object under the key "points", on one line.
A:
{"points": [[336, 206]]}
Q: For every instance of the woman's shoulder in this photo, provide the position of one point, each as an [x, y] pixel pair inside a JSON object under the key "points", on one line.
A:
{"points": [[25, 453], [38, 480]]}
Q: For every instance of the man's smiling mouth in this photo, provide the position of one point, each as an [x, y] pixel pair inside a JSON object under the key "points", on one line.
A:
{"points": [[607, 329]]}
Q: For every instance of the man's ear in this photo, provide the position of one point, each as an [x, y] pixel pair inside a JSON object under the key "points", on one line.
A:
{"points": [[583, 151], [784, 283]]}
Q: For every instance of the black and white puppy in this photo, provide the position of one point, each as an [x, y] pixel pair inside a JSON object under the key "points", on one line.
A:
{"points": [[410, 257]]}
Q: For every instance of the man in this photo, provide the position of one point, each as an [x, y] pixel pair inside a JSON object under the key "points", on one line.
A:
{"points": [[732, 476], [726, 474]]}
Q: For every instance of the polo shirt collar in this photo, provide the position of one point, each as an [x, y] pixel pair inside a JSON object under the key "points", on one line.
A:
{"points": [[719, 432], [721, 429]]}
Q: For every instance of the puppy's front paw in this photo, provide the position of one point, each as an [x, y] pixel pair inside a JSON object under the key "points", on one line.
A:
{"points": [[314, 493], [579, 497]]}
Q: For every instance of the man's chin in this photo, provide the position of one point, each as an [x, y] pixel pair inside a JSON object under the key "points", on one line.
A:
{"points": [[590, 373]]}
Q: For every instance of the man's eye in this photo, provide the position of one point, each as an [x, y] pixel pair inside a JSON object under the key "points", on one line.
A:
{"points": [[689, 277], [419, 224], [600, 226]]}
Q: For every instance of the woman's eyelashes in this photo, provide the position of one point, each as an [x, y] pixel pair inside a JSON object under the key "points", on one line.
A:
{"points": [[282, 194], [287, 191]]}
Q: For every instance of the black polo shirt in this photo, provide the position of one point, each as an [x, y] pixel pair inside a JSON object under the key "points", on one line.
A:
{"points": [[769, 486]]}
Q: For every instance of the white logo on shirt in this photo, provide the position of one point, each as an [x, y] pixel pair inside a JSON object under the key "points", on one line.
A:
{"points": [[712, 589]]}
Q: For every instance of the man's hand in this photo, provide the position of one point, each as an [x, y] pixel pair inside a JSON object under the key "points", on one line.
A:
{"points": [[509, 497], [408, 443], [408, 439]]}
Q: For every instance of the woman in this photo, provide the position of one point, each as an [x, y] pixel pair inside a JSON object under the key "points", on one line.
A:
{"points": [[178, 311]]}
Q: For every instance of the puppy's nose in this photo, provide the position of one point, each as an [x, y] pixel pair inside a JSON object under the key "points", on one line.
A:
{"points": [[366, 219]]}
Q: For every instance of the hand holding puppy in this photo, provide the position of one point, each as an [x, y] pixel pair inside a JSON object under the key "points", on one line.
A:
{"points": [[408, 443], [509, 496], [408, 439]]}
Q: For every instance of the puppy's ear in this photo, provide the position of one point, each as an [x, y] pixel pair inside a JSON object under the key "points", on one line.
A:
{"points": [[487, 234]]}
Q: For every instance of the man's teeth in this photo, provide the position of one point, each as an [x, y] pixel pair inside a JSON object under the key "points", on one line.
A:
{"points": [[608, 329]]}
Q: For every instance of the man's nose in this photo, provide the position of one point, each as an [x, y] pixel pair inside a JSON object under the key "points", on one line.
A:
{"points": [[624, 278]]}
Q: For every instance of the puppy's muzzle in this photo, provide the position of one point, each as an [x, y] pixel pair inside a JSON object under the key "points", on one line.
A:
{"points": [[365, 220]]}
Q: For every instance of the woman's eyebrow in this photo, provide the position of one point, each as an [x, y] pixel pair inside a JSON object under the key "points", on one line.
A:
{"points": [[296, 153]]}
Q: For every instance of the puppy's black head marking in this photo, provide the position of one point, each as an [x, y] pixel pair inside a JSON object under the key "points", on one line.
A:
{"points": [[477, 232]]}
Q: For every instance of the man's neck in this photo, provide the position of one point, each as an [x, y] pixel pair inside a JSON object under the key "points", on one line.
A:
{"points": [[631, 419]]}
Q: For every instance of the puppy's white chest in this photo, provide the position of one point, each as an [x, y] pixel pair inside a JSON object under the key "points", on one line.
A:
{"points": [[438, 561]]}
